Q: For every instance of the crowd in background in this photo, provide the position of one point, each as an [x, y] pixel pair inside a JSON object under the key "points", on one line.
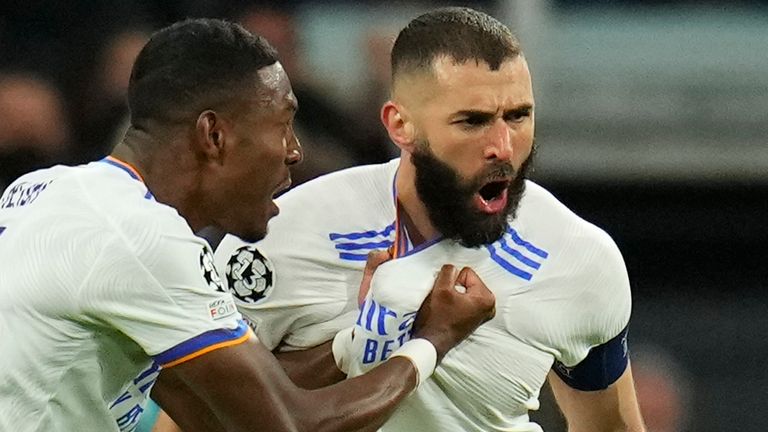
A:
{"points": [[65, 66]]}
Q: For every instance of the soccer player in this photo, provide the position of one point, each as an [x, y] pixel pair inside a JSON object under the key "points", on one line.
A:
{"points": [[101, 275], [462, 114]]}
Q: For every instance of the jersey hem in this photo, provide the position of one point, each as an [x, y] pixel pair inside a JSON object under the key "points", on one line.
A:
{"points": [[203, 344]]}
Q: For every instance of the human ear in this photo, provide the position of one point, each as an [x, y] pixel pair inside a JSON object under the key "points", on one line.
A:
{"points": [[210, 134], [399, 126]]}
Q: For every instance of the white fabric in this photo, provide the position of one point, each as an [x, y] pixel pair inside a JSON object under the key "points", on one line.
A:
{"points": [[340, 348], [422, 354], [576, 296], [95, 278]]}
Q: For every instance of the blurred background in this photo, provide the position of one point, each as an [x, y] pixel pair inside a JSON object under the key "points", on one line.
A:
{"points": [[652, 121]]}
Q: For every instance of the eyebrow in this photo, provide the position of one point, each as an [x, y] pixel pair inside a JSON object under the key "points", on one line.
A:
{"points": [[487, 114]]}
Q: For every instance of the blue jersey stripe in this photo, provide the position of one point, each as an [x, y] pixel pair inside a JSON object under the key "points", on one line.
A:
{"points": [[517, 255], [507, 265], [200, 342], [369, 245], [353, 257], [531, 248], [364, 234]]}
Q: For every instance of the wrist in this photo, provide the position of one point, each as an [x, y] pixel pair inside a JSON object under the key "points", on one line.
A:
{"points": [[439, 340], [422, 354]]}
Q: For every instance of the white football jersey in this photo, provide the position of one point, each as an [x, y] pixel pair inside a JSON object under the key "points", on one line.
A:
{"points": [[97, 282], [560, 283]]}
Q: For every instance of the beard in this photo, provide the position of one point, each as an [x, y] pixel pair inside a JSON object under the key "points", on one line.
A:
{"points": [[449, 198]]}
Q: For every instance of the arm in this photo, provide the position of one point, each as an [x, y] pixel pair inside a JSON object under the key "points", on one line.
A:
{"points": [[613, 409], [191, 413], [597, 394], [317, 367], [311, 369], [246, 389], [165, 424]]}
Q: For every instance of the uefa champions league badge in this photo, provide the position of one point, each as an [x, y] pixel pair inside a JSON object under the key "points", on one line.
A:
{"points": [[210, 274], [250, 275]]}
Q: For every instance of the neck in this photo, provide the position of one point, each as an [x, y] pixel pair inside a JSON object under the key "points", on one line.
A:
{"points": [[167, 170], [416, 217]]}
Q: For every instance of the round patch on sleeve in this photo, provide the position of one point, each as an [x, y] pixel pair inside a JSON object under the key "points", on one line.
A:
{"points": [[210, 274], [250, 275]]}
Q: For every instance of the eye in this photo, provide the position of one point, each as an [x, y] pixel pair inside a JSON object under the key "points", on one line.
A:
{"points": [[474, 121], [517, 115]]}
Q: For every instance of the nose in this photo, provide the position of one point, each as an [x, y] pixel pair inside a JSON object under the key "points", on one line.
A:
{"points": [[294, 154], [499, 144]]}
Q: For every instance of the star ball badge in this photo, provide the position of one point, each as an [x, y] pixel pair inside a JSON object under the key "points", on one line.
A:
{"points": [[250, 275], [210, 274]]}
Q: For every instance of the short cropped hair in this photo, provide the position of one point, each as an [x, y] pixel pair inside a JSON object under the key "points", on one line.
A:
{"points": [[460, 33], [194, 65]]}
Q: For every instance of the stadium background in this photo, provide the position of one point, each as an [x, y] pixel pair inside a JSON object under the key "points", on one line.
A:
{"points": [[652, 118]]}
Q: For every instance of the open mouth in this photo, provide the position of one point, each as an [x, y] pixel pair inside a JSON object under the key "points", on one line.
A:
{"points": [[492, 197], [493, 190]]}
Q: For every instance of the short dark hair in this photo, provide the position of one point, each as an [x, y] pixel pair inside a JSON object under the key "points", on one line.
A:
{"points": [[194, 65], [461, 33]]}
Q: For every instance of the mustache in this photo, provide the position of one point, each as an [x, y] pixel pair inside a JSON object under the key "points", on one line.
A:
{"points": [[497, 171]]}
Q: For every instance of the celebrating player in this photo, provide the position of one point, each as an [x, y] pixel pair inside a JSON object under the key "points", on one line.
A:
{"points": [[462, 114], [101, 274]]}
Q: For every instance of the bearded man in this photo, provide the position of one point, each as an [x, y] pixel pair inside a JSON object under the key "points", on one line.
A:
{"points": [[462, 114]]}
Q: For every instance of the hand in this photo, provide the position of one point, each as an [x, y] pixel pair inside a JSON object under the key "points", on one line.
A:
{"points": [[447, 316], [375, 259]]}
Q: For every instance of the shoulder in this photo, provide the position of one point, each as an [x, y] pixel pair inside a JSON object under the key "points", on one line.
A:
{"points": [[572, 256], [340, 192], [127, 215], [545, 219], [324, 215]]}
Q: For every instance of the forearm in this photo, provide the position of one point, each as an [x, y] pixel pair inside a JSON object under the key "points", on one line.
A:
{"points": [[364, 403], [311, 369], [247, 390]]}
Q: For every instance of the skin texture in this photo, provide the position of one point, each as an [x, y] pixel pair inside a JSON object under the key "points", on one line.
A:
{"points": [[227, 166], [472, 117]]}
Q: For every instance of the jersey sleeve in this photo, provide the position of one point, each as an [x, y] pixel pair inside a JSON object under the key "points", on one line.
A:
{"points": [[159, 288], [578, 308], [298, 286], [596, 353], [287, 288]]}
